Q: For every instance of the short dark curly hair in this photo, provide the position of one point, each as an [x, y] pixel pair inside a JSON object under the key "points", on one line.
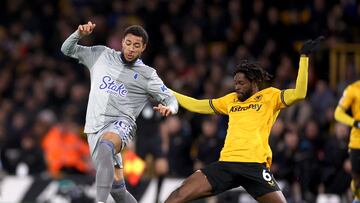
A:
{"points": [[253, 71], [139, 31]]}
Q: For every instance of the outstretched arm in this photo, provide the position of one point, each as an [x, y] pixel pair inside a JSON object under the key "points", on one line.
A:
{"points": [[194, 105], [290, 96], [85, 55]]}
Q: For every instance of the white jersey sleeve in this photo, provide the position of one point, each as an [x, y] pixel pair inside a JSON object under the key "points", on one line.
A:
{"points": [[86, 55], [158, 90]]}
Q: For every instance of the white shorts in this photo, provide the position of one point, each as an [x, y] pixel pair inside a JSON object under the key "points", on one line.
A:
{"points": [[120, 127]]}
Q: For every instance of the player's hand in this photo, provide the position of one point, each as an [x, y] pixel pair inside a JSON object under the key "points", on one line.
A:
{"points": [[357, 124], [163, 110], [311, 46], [86, 29]]}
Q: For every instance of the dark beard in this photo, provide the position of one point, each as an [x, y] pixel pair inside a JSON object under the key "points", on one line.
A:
{"points": [[246, 95], [129, 63]]}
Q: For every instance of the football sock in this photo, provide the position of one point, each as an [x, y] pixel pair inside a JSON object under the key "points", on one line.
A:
{"points": [[120, 194], [104, 170]]}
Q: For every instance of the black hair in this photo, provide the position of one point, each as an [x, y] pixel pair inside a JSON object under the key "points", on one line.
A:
{"points": [[253, 71], [139, 31]]}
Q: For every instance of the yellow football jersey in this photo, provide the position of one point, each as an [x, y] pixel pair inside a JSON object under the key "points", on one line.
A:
{"points": [[351, 98], [249, 127]]}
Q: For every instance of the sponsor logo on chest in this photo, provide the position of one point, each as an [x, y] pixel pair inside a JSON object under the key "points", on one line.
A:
{"points": [[236, 108], [110, 86]]}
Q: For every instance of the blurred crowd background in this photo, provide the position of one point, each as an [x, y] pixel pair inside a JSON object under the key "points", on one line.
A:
{"points": [[194, 46]]}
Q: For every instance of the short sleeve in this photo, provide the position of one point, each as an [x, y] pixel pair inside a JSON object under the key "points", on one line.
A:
{"points": [[278, 98], [220, 105]]}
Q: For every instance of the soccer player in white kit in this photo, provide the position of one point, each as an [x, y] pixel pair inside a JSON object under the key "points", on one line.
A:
{"points": [[121, 84]]}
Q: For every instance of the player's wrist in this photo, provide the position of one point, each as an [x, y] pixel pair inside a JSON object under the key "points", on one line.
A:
{"points": [[78, 34]]}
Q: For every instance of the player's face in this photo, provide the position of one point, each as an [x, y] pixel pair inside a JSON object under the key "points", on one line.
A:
{"points": [[132, 47], [243, 86]]}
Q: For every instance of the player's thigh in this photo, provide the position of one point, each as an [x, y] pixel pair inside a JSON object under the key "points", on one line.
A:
{"points": [[196, 186], [272, 197], [257, 180]]}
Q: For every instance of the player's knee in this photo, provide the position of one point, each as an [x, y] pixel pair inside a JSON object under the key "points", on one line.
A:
{"points": [[272, 197], [114, 138], [105, 154]]}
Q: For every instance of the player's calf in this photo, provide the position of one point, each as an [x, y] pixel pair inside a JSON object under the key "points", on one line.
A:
{"points": [[178, 196], [194, 187], [104, 169], [120, 193]]}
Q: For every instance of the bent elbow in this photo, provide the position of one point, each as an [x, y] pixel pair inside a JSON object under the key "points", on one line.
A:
{"points": [[337, 113], [301, 93], [298, 96], [63, 49], [67, 50], [302, 96]]}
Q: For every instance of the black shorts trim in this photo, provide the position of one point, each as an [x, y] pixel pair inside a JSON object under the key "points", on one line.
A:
{"points": [[355, 160], [255, 178]]}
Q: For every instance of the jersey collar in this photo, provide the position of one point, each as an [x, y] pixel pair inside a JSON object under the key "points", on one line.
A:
{"points": [[137, 61]]}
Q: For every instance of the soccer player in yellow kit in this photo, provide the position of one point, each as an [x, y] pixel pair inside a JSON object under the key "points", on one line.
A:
{"points": [[351, 99], [246, 156]]}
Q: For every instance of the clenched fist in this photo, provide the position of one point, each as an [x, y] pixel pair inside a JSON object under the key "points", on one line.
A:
{"points": [[311, 46], [86, 29]]}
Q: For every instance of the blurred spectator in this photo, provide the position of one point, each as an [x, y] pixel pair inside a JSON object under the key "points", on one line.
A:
{"points": [[177, 146], [336, 175], [32, 156], [311, 155], [208, 143], [299, 114], [276, 138], [149, 142], [65, 151], [322, 99], [18, 127], [286, 163]]}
